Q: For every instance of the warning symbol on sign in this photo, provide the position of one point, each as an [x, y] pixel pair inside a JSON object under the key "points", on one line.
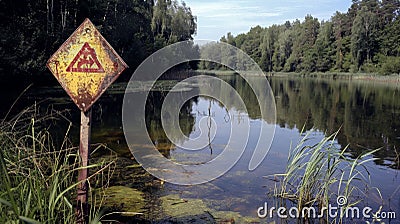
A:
{"points": [[85, 65], [86, 61]]}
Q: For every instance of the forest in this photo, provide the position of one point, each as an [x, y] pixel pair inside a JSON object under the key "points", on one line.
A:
{"points": [[364, 39], [33, 30]]}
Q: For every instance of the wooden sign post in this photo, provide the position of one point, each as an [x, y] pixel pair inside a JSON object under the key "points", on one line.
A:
{"points": [[84, 149], [85, 65]]}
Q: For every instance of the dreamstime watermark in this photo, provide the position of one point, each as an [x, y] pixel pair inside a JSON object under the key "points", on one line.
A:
{"points": [[134, 113], [340, 210]]}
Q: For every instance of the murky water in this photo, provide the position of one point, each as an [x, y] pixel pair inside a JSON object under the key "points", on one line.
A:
{"points": [[367, 114]]}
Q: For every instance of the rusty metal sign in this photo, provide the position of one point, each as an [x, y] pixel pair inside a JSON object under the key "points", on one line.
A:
{"points": [[85, 65]]}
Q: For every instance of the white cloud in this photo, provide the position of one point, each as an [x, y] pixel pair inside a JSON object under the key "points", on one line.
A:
{"points": [[245, 14], [231, 9], [208, 26], [217, 17]]}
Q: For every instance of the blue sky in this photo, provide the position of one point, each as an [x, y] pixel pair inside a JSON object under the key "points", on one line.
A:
{"points": [[215, 18]]}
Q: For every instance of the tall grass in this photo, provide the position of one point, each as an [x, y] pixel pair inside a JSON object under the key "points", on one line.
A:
{"points": [[317, 174], [39, 179]]}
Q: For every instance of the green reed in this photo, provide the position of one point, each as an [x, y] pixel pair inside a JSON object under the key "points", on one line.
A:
{"points": [[317, 174], [39, 179]]}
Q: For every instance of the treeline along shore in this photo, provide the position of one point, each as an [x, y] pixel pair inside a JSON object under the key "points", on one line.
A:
{"points": [[363, 40]]}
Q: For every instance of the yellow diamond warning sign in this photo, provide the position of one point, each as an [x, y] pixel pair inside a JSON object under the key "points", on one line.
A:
{"points": [[85, 65]]}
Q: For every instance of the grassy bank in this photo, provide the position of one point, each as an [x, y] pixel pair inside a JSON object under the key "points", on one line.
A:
{"points": [[215, 72], [394, 78], [341, 75], [39, 176]]}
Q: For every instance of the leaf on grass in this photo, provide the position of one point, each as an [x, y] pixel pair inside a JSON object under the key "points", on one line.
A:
{"points": [[4, 202], [28, 220]]}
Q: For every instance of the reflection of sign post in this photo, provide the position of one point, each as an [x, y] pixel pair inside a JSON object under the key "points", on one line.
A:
{"points": [[85, 65]]}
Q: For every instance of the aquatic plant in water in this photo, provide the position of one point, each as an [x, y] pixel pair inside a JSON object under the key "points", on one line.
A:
{"points": [[317, 175]]}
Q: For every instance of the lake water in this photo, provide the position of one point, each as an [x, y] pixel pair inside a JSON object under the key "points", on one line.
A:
{"points": [[367, 114]]}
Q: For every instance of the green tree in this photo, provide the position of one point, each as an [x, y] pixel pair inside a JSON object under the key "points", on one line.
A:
{"points": [[364, 37], [391, 66], [135, 28], [338, 21], [268, 47], [283, 49], [305, 35], [293, 60], [389, 11], [172, 22], [252, 42], [324, 48], [389, 39]]}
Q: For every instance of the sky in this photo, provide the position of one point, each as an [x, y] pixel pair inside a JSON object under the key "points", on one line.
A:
{"points": [[215, 18]]}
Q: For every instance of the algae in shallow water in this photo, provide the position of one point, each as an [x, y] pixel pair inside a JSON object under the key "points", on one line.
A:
{"points": [[196, 211], [175, 206], [124, 199]]}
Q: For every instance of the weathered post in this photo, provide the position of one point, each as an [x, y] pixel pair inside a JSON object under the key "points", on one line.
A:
{"points": [[85, 65], [84, 150]]}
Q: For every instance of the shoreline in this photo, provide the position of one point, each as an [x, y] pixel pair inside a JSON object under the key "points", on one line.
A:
{"points": [[329, 75], [342, 76]]}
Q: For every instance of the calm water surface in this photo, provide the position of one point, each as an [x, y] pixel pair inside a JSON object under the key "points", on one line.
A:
{"points": [[367, 114]]}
